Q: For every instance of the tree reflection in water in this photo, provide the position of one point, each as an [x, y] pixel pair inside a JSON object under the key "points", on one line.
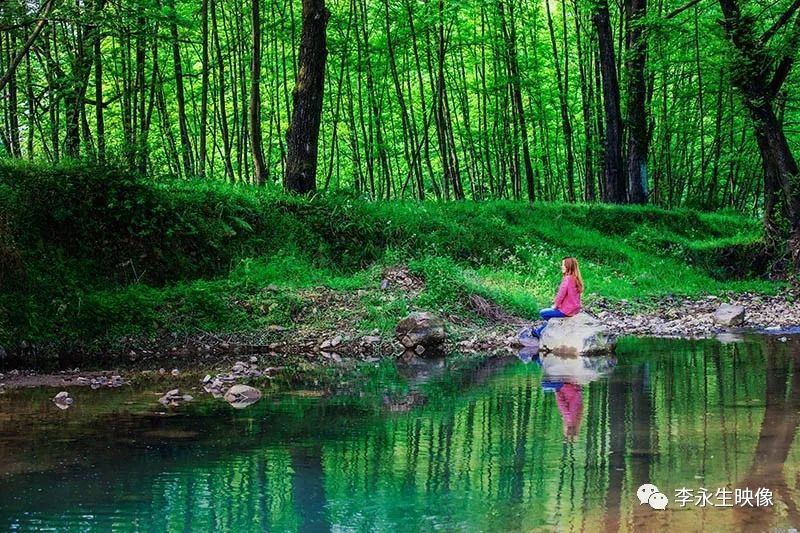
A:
{"points": [[454, 445]]}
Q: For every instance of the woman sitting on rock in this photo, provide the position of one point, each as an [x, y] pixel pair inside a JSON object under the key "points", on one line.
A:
{"points": [[568, 298]]}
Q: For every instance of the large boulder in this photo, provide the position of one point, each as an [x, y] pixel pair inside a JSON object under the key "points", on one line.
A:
{"points": [[577, 334], [421, 333], [729, 315]]}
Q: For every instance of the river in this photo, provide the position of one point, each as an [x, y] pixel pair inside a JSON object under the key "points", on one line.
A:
{"points": [[520, 443]]}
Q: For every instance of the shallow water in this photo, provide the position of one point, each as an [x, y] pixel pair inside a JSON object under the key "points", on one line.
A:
{"points": [[530, 444]]}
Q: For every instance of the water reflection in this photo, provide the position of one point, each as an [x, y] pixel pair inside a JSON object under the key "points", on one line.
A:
{"points": [[557, 444], [565, 376]]}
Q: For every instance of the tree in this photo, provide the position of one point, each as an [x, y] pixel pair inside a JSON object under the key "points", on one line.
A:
{"points": [[256, 143], [638, 134], [759, 75], [615, 187], [303, 134]]}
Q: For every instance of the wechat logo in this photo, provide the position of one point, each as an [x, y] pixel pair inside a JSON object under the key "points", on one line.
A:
{"points": [[649, 494]]}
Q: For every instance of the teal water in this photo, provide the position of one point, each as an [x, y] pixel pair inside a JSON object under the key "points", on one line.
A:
{"points": [[508, 444]]}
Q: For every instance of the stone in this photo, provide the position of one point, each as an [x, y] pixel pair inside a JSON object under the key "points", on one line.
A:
{"points": [[241, 396], [578, 334], [526, 338], [171, 398], [421, 330], [175, 372], [62, 400], [729, 315]]}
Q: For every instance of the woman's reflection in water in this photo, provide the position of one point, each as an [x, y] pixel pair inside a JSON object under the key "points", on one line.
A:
{"points": [[569, 398], [565, 376]]}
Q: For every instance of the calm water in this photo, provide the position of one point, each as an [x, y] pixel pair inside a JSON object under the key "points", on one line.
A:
{"points": [[511, 444]]}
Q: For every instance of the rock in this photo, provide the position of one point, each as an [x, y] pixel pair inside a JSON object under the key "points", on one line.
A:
{"points": [[371, 339], [62, 400], [253, 359], [336, 341], [526, 338], [578, 334], [421, 330], [729, 315], [241, 396], [207, 379], [173, 397], [175, 372]]}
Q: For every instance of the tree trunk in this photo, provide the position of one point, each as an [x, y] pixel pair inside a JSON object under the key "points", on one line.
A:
{"points": [[562, 99], [204, 95], [186, 145], [509, 34], [98, 90], [614, 172], [638, 135], [303, 134], [255, 100], [759, 82]]}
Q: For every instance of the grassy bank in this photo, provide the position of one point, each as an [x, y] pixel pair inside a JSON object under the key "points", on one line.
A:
{"points": [[89, 256]]}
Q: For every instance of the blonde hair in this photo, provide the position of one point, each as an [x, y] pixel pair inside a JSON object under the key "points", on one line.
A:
{"points": [[572, 269]]}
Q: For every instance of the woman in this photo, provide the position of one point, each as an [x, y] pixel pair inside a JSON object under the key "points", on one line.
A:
{"points": [[568, 299]]}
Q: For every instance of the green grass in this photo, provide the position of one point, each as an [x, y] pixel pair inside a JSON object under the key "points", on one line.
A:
{"points": [[98, 254]]}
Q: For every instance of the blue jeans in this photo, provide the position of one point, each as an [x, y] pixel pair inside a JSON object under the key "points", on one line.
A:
{"points": [[547, 314]]}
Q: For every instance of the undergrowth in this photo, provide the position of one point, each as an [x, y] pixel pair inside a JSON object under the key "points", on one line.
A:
{"points": [[91, 255]]}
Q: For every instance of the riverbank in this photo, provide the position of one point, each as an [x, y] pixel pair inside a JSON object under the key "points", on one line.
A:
{"points": [[99, 267], [306, 354]]}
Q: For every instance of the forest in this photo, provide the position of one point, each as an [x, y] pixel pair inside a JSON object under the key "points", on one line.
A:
{"points": [[162, 157], [671, 103]]}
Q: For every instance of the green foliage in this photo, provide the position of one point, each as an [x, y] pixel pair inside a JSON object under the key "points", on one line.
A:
{"points": [[109, 255]]}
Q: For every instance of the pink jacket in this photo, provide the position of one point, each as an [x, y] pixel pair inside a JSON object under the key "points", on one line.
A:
{"points": [[568, 299]]}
